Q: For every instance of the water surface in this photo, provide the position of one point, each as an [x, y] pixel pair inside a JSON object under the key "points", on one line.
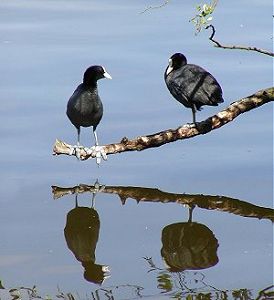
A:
{"points": [[45, 48]]}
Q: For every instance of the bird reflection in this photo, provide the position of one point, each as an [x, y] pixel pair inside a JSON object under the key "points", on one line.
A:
{"points": [[81, 234], [188, 246]]}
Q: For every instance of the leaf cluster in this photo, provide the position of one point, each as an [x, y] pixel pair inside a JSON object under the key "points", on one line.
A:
{"points": [[203, 17]]}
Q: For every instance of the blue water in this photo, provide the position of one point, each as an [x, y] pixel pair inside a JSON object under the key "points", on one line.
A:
{"points": [[45, 48]]}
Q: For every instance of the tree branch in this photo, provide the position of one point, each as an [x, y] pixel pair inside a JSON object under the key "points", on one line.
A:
{"points": [[219, 45], [143, 194], [171, 135]]}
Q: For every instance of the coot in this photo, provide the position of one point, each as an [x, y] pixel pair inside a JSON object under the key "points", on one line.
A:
{"points": [[84, 107], [191, 85]]}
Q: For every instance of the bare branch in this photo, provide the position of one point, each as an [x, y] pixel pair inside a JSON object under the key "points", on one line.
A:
{"points": [[219, 45], [155, 7], [144, 194], [172, 135]]}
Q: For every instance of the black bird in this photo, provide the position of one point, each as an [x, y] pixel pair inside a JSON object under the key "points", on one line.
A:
{"points": [[84, 107], [191, 85]]}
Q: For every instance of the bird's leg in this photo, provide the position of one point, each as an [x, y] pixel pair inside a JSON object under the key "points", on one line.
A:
{"points": [[97, 189], [78, 136], [192, 125], [95, 137], [202, 127], [193, 108], [190, 211], [97, 151], [76, 148], [93, 199], [76, 200]]}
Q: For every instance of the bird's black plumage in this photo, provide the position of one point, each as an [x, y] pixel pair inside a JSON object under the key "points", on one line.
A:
{"points": [[191, 85], [85, 107]]}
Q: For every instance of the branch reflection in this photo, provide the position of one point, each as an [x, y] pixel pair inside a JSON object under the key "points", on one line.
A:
{"points": [[143, 194], [187, 246]]}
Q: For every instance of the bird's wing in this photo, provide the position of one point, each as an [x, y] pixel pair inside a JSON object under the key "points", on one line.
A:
{"points": [[177, 89], [203, 88]]}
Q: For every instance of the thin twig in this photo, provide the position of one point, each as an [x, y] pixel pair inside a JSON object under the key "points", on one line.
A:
{"points": [[219, 45], [155, 7]]}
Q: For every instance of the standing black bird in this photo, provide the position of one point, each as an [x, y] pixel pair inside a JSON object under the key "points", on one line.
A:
{"points": [[84, 107], [191, 85]]}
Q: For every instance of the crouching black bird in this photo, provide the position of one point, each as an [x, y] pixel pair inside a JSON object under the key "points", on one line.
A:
{"points": [[191, 85], [84, 107]]}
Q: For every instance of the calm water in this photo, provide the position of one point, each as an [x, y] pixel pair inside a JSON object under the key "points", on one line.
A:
{"points": [[45, 47]]}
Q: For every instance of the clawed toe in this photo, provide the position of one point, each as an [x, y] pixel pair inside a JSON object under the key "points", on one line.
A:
{"points": [[98, 152], [76, 150], [191, 125]]}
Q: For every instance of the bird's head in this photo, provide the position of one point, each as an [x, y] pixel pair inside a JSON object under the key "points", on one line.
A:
{"points": [[176, 61], [94, 73]]}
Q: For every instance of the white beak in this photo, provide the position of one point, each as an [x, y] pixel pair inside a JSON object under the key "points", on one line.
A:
{"points": [[170, 68], [106, 75]]}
